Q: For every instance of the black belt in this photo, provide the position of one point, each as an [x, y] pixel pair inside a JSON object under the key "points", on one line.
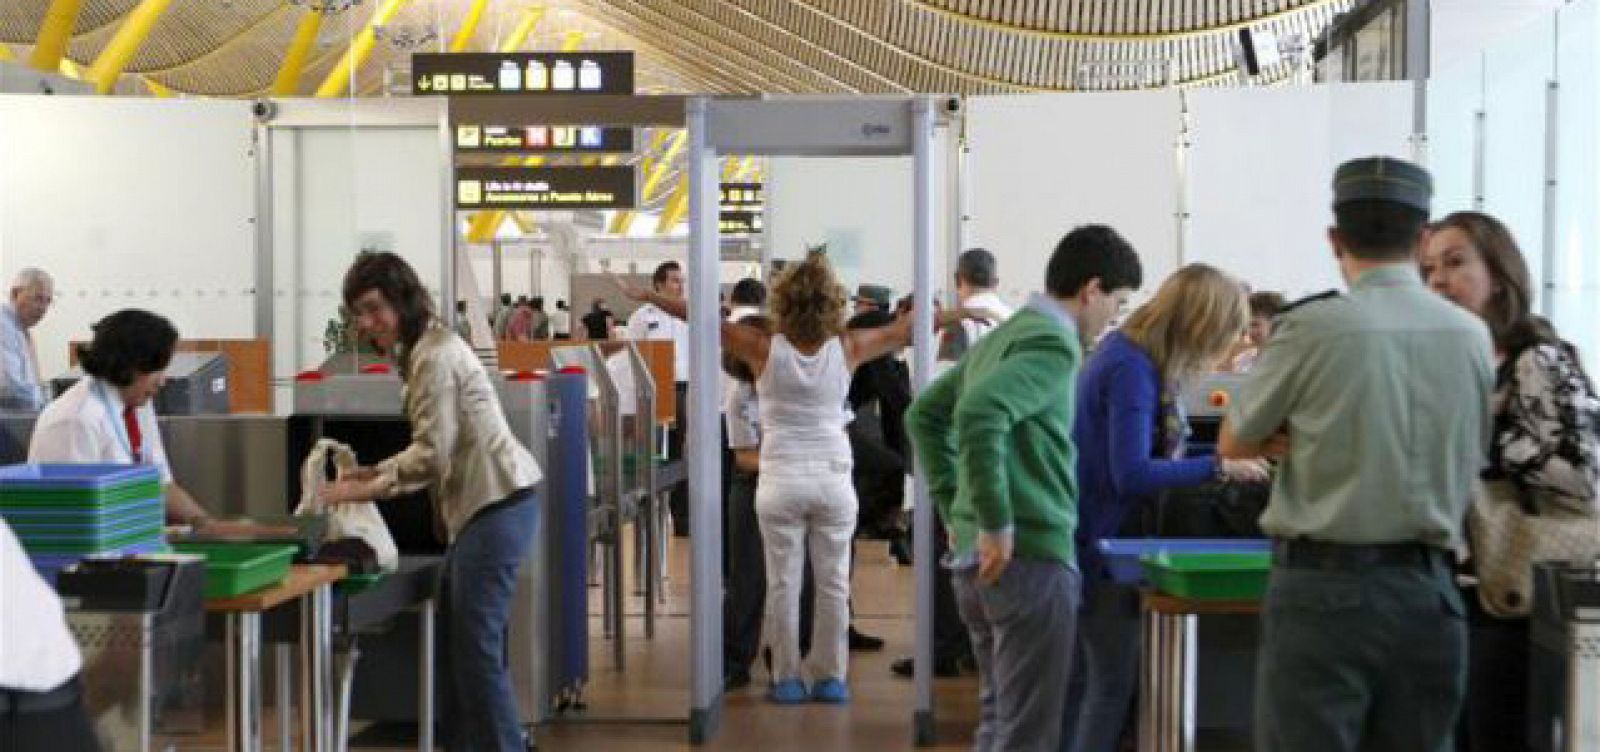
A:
{"points": [[20, 701], [1309, 554]]}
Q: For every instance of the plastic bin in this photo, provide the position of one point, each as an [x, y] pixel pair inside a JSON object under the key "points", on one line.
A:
{"points": [[75, 476], [1210, 576], [234, 569], [1124, 557]]}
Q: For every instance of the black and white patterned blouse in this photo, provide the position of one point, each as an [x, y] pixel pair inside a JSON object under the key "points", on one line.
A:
{"points": [[1547, 428]]}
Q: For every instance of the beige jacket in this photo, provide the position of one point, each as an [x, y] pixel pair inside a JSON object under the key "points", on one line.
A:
{"points": [[462, 449]]}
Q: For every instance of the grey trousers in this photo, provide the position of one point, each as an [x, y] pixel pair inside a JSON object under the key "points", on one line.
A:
{"points": [[1022, 637], [1371, 660]]}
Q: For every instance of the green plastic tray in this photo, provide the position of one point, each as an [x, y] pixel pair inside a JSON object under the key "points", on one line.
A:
{"points": [[233, 569], [1219, 576], [72, 498], [358, 583]]}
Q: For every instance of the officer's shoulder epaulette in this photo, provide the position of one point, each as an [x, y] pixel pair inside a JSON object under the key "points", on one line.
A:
{"points": [[1308, 300]]}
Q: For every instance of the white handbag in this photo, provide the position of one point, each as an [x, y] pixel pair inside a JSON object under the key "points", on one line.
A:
{"points": [[1507, 539], [360, 520]]}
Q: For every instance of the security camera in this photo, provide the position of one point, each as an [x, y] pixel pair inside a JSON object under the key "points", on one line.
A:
{"points": [[952, 105], [263, 109]]}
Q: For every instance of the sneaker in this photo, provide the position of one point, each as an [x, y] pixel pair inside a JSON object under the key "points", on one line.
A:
{"points": [[831, 691], [864, 642], [788, 692]]}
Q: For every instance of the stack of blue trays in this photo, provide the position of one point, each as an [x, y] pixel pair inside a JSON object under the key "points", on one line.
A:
{"points": [[65, 513]]}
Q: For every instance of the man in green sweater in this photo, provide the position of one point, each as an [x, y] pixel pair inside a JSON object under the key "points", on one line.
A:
{"points": [[994, 435]]}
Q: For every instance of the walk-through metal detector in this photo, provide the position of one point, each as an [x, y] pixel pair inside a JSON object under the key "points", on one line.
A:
{"points": [[804, 126], [895, 126]]}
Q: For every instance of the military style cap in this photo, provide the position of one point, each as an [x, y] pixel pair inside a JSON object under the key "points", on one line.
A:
{"points": [[882, 296], [1383, 179]]}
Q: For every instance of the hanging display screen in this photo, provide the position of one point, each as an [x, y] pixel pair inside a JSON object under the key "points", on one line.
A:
{"points": [[532, 73], [545, 188]]}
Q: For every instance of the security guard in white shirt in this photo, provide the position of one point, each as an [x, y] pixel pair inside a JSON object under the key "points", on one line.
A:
{"points": [[650, 322], [107, 418]]}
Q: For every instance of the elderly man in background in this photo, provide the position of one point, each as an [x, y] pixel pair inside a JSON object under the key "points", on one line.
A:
{"points": [[32, 292]]}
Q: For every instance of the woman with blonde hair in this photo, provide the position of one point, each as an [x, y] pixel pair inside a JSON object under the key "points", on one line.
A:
{"points": [[1130, 435], [804, 493]]}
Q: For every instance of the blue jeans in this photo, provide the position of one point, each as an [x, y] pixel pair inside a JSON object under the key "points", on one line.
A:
{"points": [[478, 583], [1372, 660], [1105, 672]]}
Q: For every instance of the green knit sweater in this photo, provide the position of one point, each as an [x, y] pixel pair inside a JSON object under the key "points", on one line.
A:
{"points": [[994, 436]]}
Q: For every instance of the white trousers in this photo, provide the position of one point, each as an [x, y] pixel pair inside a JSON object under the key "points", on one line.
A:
{"points": [[801, 503]]}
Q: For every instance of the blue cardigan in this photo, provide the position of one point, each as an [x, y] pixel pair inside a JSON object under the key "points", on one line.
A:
{"points": [[1119, 407]]}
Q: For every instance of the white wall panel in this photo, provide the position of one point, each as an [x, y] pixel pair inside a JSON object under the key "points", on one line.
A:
{"points": [[338, 191], [130, 203], [1455, 96], [1040, 165], [1261, 170], [1517, 70], [860, 207]]}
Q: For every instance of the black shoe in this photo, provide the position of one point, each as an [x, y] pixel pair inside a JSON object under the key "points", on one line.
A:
{"points": [[900, 550], [943, 668], [864, 642], [736, 679]]}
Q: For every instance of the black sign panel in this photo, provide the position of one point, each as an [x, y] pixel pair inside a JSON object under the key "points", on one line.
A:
{"points": [[740, 222], [545, 188], [542, 139], [746, 196], [742, 207], [532, 73]]}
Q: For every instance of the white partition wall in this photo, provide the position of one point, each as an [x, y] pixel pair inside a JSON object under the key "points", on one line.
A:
{"points": [[858, 206], [1261, 169], [1518, 70], [1040, 165], [130, 203], [1573, 293], [340, 188]]}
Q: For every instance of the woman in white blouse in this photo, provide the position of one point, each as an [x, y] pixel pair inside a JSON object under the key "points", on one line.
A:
{"points": [[482, 482]]}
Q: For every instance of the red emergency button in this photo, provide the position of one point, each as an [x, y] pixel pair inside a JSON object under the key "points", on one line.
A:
{"points": [[1219, 398]]}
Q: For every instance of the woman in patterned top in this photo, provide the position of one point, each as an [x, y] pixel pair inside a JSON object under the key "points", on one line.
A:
{"points": [[1546, 437]]}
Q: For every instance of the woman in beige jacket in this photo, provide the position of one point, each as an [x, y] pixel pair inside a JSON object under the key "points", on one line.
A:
{"points": [[482, 482]]}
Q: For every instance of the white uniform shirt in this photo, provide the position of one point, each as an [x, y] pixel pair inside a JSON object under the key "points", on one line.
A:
{"points": [[85, 424], [650, 322], [37, 652], [742, 413], [972, 331]]}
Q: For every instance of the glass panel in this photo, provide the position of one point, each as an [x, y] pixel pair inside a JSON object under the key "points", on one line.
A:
{"points": [[1576, 269], [1517, 71]]}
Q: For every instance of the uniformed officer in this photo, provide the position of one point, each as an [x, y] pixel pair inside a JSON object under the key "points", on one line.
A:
{"points": [[650, 322], [1377, 403]]}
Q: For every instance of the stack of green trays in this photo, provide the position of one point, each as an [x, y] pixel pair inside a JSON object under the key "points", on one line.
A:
{"points": [[60, 511]]}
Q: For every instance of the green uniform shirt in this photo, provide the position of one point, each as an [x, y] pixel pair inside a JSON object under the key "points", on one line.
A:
{"points": [[1385, 395]]}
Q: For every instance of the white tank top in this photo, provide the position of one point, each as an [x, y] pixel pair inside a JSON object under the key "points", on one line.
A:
{"points": [[803, 400]]}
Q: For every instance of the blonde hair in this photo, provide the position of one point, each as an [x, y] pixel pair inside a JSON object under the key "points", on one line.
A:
{"points": [[1196, 315], [808, 303]]}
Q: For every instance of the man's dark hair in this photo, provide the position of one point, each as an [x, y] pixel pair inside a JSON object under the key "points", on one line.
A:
{"points": [[1266, 304], [660, 277], [748, 292], [505, 298], [1092, 252], [977, 267], [538, 303], [397, 282], [1376, 230], [126, 344], [561, 305]]}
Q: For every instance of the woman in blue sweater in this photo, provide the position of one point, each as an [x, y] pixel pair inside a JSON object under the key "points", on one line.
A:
{"points": [[1130, 435]]}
